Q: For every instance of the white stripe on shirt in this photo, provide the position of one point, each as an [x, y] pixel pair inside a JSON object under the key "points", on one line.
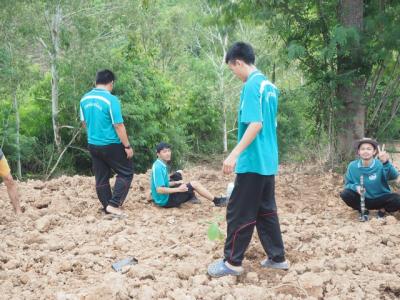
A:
{"points": [[81, 112], [101, 99]]}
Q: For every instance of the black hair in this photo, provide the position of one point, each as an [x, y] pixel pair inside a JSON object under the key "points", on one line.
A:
{"points": [[104, 77], [162, 146], [242, 51]]}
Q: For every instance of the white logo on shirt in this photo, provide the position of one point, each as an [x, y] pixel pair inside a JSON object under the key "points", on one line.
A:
{"points": [[372, 176], [93, 105]]}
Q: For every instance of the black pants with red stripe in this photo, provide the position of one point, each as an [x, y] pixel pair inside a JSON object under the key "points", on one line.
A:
{"points": [[107, 158], [252, 203]]}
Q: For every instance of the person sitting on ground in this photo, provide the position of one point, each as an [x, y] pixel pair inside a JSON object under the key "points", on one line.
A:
{"points": [[166, 193], [376, 174], [5, 174]]}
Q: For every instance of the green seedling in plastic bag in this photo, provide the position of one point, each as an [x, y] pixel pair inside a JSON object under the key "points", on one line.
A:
{"points": [[213, 231]]}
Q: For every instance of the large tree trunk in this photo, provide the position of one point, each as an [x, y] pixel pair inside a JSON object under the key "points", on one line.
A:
{"points": [[350, 89]]}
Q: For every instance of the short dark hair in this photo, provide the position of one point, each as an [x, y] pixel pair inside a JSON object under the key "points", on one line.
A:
{"points": [[242, 51], [162, 146], [104, 77]]}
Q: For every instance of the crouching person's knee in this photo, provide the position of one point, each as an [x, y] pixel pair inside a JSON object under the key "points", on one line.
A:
{"points": [[348, 195]]}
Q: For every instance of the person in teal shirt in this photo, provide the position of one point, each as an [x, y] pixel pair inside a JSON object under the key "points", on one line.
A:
{"points": [[255, 162], [376, 174], [108, 142], [166, 193]]}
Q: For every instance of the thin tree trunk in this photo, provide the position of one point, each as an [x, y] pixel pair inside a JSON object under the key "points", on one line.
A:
{"points": [[222, 93], [350, 91], [224, 44], [225, 130], [62, 153], [17, 140], [273, 73], [55, 38]]}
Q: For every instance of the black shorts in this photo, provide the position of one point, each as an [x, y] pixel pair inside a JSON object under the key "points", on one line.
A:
{"points": [[176, 199]]}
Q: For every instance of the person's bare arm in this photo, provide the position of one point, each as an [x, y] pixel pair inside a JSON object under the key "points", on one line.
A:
{"points": [[123, 136], [168, 190], [251, 132]]}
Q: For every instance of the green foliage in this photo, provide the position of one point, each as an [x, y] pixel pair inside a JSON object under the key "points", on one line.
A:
{"points": [[295, 50], [334, 56], [167, 57], [148, 102], [202, 123], [295, 127]]}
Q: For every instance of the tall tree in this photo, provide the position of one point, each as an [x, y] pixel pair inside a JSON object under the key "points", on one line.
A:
{"points": [[351, 78]]}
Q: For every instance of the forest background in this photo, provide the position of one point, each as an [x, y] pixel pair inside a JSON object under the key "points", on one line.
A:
{"points": [[336, 63]]}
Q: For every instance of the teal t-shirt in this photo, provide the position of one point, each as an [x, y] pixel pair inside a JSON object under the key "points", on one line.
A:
{"points": [[258, 103], [101, 110], [159, 178], [376, 177]]}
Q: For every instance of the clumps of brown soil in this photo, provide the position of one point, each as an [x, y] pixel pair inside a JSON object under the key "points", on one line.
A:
{"points": [[63, 246]]}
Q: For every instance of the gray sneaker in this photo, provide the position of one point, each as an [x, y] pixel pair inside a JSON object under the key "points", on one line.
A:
{"points": [[269, 263]]}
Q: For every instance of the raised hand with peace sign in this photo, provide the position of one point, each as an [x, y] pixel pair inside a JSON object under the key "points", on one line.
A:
{"points": [[382, 154]]}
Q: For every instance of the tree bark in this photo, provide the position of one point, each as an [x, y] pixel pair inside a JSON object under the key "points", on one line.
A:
{"points": [[350, 88], [224, 45], [17, 140], [55, 38]]}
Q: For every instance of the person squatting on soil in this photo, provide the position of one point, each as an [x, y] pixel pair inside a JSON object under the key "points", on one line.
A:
{"points": [[166, 193], [108, 142], [5, 174], [376, 174], [255, 161]]}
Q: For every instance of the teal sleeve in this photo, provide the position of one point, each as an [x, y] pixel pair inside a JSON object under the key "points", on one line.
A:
{"points": [[115, 111], [390, 171], [251, 105], [351, 182], [159, 177]]}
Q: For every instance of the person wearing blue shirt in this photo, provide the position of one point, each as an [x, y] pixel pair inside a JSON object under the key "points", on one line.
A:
{"points": [[376, 174], [166, 193], [108, 143], [255, 161]]}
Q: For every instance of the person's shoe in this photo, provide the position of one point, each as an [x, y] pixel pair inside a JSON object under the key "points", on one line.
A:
{"points": [[365, 217], [269, 263], [220, 201], [194, 200], [380, 214], [115, 211], [219, 268]]}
